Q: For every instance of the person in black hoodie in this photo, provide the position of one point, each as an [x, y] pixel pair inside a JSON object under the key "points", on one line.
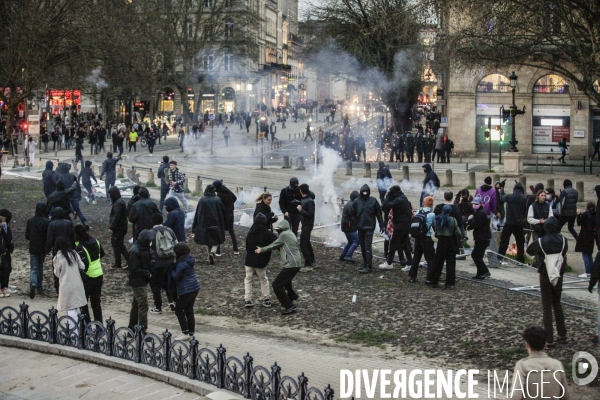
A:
{"points": [[36, 231], [61, 198], [384, 178], [228, 199], [6, 249], [118, 226], [595, 270], [209, 222], [263, 206], [289, 198], [141, 260], [398, 204], [585, 241], [256, 263], [366, 210], [142, 211], [85, 176], [79, 152], [348, 226], [431, 183], [515, 206], [49, 179], [175, 218], [164, 184], [568, 213], [479, 223], [307, 216], [551, 243]]}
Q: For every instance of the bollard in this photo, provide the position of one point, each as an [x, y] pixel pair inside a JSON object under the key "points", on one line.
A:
{"points": [[290, 136], [580, 191], [301, 166], [523, 181], [198, 188], [550, 183], [367, 170], [348, 167], [448, 178], [294, 136], [537, 161], [496, 178], [460, 158], [405, 173], [150, 179], [120, 172], [186, 187], [286, 162], [467, 167], [472, 183]]}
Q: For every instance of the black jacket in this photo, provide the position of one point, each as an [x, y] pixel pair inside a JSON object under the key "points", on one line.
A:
{"points": [[431, 182], [49, 179], [118, 212], [514, 205], [175, 218], [94, 249], [568, 198], [209, 220], [585, 240], [264, 209], [348, 223], [161, 175], [402, 211], [86, 175], [307, 214], [480, 224], [63, 174], [36, 230], [552, 242], [61, 198], [228, 199], [141, 214], [60, 227], [384, 172], [141, 260], [366, 210], [286, 197], [260, 236]]}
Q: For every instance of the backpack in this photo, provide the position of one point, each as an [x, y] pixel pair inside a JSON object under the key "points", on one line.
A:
{"points": [[164, 244], [554, 263], [418, 225], [450, 144]]}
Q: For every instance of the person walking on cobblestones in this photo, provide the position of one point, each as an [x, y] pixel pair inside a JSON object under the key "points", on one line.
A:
{"points": [[91, 252], [177, 183], [141, 257], [36, 231], [118, 226], [163, 175]]}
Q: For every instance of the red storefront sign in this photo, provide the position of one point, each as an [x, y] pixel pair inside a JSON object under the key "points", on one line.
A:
{"points": [[560, 132], [58, 100]]}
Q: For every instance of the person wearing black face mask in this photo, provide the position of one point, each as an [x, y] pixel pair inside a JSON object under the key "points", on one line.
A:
{"points": [[289, 200]]}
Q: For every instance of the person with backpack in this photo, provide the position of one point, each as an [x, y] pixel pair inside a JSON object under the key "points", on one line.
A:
{"points": [[398, 210], [348, 226], [488, 196], [431, 183], [420, 229], [163, 243], [568, 212], [587, 234], [448, 234], [256, 264], [91, 252], [366, 210], [183, 278], [515, 205], [479, 223], [552, 248], [141, 260]]}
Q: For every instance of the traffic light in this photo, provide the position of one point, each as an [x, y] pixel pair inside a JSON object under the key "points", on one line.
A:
{"points": [[24, 126]]}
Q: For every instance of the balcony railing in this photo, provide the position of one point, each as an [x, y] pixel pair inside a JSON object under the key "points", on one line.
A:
{"points": [[489, 87], [558, 89]]}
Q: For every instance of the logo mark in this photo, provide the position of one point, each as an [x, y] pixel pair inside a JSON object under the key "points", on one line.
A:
{"points": [[582, 363]]}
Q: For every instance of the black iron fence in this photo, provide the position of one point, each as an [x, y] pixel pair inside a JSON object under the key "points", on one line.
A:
{"points": [[214, 367]]}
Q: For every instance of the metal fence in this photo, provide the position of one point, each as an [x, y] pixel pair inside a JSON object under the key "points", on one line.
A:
{"points": [[214, 367]]}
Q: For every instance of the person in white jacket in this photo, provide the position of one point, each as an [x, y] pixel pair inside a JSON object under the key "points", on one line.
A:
{"points": [[31, 146]]}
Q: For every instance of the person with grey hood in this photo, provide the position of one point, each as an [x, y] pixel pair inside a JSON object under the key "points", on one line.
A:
{"points": [[291, 261], [551, 277], [366, 210], [49, 179], [109, 168], [515, 206], [209, 222], [348, 226]]}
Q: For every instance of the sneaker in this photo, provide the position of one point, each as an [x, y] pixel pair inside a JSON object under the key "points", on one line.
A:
{"points": [[172, 306], [342, 259], [584, 276], [365, 270], [32, 290], [11, 286], [211, 258], [87, 199], [94, 202], [407, 268], [10, 290], [486, 275], [385, 265], [5, 294], [413, 280], [404, 262], [183, 336], [125, 266], [248, 304], [236, 253], [349, 259], [217, 254], [156, 311], [306, 269], [289, 311], [266, 303]]}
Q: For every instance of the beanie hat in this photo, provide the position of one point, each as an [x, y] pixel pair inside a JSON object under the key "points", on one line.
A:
{"points": [[181, 249], [428, 202], [476, 200], [567, 183], [488, 180]]}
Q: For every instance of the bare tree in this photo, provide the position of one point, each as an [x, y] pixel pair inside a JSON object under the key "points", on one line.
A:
{"points": [[562, 36]]}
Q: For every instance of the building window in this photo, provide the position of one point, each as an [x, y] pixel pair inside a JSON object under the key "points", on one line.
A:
{"points": [[208, 3], [228, 62], [229, 29], [207, 62], [551, 83], [190, 29], [494, 83]]}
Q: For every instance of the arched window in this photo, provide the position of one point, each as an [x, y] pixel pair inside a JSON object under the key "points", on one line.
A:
{"points": [[494, 83], [551, 83], [228, 94]]}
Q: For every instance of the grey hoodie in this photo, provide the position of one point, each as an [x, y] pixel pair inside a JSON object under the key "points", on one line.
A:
{"points": [[287, 245]]}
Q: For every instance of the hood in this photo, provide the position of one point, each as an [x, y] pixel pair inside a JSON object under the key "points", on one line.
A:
{"points": [[58, 213], [259, 225], [294, 184], [354, 195], [88, 163], [6, 214], [171, 204], [282, 225], [218, 183], [485, 188], [63, 168], [597, 190], [189, 260], [114, 193], [49, 165], [551, 226], [210, 191], [427, 168], [144, 193], [519, 187], [144, 238], [395, 192], [567, 183], [363, 189], [40, 209], [538, 187]]}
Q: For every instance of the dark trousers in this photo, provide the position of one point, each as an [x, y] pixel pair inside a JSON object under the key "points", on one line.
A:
{"points": [[282, 286], [351, 245], [571, 225], [397, 242], [517, 231], [5, 270], [448, 152], [229, 228], [478, 254], [158, 283], [80, 159], [563, 155], [93, 291], [75, 206], [116, 241], [294, 220], [120, 149], [133, 145], [306, 246], [446, 252], [423, 247], [184, 310], [365, 241], [551, 303], [164, 191], [88, 187], [150, 148], [138, 315]]}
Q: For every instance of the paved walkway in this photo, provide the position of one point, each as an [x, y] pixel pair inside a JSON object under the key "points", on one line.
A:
{"points": [[26, 374]]}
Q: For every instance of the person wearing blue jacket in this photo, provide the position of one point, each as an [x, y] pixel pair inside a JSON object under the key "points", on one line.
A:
{"points": [[184, 279], [175, 218]]}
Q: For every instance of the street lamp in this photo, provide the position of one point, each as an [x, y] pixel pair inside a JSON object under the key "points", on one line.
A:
{"points": [[513, 113]]}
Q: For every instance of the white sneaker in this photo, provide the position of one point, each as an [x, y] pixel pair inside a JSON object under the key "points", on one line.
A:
{"points": [[12, 286], [385, 265], [131, 240], [407, 268], [584, 276], [94, 202], [87, 200], [183, 337]]}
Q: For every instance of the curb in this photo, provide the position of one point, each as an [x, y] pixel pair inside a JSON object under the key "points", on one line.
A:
{"points": [[167, 377]]}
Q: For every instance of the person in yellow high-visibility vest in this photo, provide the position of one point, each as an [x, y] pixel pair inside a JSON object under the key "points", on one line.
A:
{"points": [[133, 138], [91, 252]]}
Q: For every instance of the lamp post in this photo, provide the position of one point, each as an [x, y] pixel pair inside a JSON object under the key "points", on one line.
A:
{"points": [[513, 113]]}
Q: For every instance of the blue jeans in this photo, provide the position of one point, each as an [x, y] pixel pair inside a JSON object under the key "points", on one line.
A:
{"points": [[588, 261], [36, 276], [351, 245], [77, 210]]}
